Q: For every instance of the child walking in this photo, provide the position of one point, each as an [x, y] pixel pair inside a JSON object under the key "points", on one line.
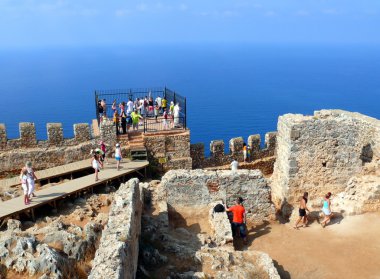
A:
{"points": [[24, 185], [118, 156]]}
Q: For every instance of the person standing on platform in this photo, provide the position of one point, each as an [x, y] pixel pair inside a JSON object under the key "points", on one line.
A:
{"points": [[24, 185], [123, 118], [245, 152], [156, 111], [135, 120], [129, 107], [165, 120], [118, 156], [248, 153], [164, 104], [96, 164], [159, 103], [103, 149], [116, 121], [176, 110], [31, 179]]}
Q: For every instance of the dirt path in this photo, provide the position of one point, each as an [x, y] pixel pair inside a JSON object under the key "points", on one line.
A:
{"points": [[347, 249]]}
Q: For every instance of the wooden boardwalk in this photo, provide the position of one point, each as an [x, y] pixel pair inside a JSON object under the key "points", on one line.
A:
{"points": [[49, 173], [53, 193]]}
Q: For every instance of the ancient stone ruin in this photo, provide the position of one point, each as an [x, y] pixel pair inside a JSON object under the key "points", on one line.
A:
{"points": [[328, 152], [167, 228]]}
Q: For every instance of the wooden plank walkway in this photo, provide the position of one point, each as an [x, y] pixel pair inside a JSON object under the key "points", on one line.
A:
{"points": [[53, 193], [49, 173]]}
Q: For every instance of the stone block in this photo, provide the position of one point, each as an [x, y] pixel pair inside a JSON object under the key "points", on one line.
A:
{"points": [[217, 148], [82, 132], [270, 140], [254, 142], [55, 133], [27, 134], [3, 136]]}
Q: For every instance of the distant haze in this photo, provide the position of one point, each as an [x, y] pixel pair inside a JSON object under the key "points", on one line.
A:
{"points": [[41, 23]]}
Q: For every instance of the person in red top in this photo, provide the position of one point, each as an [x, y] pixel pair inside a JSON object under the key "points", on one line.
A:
{"points": [[238, 219]]}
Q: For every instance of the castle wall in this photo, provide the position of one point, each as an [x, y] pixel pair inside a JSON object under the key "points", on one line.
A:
{"points": [[54, 151], [200, 187], [219, 158], [320, 153]]}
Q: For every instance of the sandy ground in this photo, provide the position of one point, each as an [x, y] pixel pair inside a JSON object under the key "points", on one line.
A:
{"points": [[348, 248]]}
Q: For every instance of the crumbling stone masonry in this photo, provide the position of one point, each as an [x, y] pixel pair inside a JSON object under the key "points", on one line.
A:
{"points": [[200, 187], [174, 147], [219, 158], [320, 153], [118, 251], [54, 151]]}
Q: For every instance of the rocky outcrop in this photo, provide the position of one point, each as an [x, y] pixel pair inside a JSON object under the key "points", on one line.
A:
{"points": [[22, 253], [117, 254]]}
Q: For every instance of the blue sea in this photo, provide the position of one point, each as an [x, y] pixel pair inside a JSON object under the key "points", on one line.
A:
{"points": [[232, 90]]}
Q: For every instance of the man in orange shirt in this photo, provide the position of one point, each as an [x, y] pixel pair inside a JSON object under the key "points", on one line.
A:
{"points": [[239, 219]]}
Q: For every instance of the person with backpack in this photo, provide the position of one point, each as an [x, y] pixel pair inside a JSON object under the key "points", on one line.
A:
{"points": [[239, 220]]}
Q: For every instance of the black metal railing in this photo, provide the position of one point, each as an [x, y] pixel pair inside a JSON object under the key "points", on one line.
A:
{"points": [[153, 125], [149, 122]]}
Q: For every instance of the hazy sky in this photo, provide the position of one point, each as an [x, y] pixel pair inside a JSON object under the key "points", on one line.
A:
{"points": [[27, 23]]}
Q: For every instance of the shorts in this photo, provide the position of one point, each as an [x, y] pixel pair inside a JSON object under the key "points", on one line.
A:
{"points": [[135, 125], [302, 212], [118, 158], [326, 211], [241, 227]]}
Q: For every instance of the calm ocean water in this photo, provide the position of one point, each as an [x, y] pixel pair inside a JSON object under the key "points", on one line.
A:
{"points": [[231, 90]]}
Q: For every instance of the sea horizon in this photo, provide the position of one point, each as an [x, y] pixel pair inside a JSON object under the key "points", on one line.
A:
{"points": [[232, 90]]}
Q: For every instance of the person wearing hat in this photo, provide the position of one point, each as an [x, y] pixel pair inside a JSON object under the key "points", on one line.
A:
{"points": [[118, 156], [238, 219]]}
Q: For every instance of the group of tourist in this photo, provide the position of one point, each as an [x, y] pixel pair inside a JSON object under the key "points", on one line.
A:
{"points": [[326, 210], [127, 115], [238, 220], [99, 157]]}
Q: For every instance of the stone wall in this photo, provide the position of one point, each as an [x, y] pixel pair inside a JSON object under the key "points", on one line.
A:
{"points": [[320, 153], [174, 147], [219, 158], [54, 151], [118, 250], [201, 187]]}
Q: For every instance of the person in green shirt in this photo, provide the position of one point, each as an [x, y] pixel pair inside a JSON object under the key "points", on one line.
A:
{"points": [[135, 119], [163, 104]]}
